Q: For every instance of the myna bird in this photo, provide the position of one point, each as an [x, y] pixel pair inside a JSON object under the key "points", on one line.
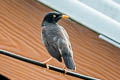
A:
{"points": [[56, 39]]}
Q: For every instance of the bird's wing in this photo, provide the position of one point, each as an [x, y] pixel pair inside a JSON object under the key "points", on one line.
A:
{"points": [[50, 40], [64, 32], [66, 38], [66, 50]]}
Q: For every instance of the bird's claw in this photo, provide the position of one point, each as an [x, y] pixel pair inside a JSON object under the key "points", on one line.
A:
{"points": [[47, 66]]}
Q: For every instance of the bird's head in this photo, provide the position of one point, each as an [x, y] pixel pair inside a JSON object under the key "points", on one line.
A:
{"points": [[54, 17]]}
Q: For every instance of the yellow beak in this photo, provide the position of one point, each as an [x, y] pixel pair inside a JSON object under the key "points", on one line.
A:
{"points": [[65, 16]]}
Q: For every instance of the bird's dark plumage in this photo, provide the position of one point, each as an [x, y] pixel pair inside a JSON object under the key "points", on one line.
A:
{"points": [[56, 39]]}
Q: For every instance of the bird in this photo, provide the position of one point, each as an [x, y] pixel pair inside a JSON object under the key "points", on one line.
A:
{"points": [[56, 39]]}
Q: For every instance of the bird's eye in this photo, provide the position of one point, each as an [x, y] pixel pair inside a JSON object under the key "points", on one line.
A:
{"points": [[54, 16]]}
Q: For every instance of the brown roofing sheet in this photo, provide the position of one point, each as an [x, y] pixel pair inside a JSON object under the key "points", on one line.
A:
{"points": [[20, 31]]}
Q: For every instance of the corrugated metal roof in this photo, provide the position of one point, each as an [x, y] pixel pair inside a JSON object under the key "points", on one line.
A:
{"points": [[107, 7], [117, 1], [101, 16]]}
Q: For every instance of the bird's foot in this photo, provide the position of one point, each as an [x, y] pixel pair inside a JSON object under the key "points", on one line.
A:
{"points": [[46, 62], [65, 69], [47, 66]]}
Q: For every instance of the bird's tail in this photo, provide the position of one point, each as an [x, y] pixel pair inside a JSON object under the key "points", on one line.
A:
{"points": [[69, 62]]}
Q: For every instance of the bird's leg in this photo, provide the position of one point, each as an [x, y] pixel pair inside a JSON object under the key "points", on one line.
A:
{"points": [[46, 61]]}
